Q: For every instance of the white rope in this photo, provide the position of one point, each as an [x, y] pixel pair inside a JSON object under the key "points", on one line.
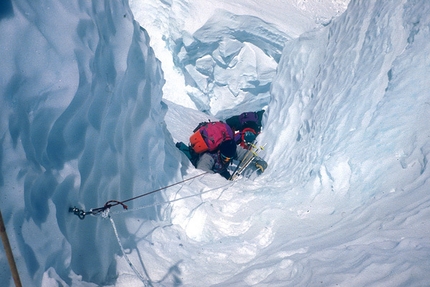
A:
{"points": [[144, 281], [171, 201], [106, 214]]}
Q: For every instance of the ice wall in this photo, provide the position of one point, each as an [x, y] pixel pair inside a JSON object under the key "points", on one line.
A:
{"points": [[337, 88], [81, 123], [349, 112], [242, 41], [229, 62]]}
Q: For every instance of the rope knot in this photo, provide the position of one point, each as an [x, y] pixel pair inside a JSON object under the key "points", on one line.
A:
{"points": [[111, 203]]}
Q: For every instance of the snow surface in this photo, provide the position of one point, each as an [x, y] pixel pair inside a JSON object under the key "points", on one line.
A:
{"points": [[88, 114]]}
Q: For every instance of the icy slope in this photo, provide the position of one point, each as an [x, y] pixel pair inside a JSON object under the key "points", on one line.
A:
{"points": [[345, 199], [344, 202], [354, 134]]}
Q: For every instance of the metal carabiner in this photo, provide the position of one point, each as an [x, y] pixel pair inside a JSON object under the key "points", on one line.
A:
{"points": [[79, 212]]}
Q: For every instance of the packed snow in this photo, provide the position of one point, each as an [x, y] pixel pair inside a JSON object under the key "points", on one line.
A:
{"points": [[96, 94]]}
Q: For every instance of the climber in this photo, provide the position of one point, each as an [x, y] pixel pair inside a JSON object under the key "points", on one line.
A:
{"points": [[246, 127], [219, 160], [212, 148]]}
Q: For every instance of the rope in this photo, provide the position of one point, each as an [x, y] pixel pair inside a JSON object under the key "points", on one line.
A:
{"points": [[107, 214], [105, 211], [171, 201], [144, 281], [111, 203]]}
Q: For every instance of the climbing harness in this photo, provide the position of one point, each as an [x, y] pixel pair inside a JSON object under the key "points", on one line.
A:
{"points": [[111, 203]]}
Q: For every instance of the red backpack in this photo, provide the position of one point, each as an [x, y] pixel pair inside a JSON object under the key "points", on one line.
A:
{"points": [[208, 136]]}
